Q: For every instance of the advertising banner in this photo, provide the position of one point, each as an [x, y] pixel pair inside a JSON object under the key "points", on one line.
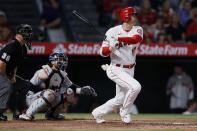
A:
{"points": [[91, 49]]}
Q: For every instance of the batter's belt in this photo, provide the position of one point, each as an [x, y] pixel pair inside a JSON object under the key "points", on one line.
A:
{"points": [[125, 66]]}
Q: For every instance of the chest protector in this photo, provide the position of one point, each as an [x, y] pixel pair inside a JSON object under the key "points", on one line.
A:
{"points": [[54, 78]]}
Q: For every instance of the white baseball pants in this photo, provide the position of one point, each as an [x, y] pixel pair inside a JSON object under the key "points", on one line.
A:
{"points": [[127, 89]]}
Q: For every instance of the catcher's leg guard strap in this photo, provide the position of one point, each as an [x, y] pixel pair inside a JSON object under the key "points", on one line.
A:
{"points": [[42, 96]]}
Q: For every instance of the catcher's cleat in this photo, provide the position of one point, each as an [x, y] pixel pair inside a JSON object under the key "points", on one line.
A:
{"points": [[25, 117], [58, 117], [99, 119], [16, 115], [3, 118]]}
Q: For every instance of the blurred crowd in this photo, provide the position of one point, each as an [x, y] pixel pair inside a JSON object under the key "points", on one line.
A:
{"points": [[163, 21], [5, 31], [50, 21], [50, 28]]}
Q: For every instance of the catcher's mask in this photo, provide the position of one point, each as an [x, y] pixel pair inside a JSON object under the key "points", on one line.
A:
{"points": [[61, 60], [125, 14], [26, 31]]}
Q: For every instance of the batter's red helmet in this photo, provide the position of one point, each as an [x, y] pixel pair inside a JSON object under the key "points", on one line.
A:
{"points": [[125, 14]]}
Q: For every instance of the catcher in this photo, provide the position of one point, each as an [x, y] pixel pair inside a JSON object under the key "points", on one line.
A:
{"points": [[50, 89]]}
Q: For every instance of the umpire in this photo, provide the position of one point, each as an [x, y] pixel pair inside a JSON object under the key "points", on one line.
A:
{"points": [[11, 56]]}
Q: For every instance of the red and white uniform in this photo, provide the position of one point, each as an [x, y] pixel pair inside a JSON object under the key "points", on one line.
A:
{"points": [[127, 54], [121, 69]]}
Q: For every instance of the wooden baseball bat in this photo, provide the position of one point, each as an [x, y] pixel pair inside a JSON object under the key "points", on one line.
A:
{"points": [[86, 21]]}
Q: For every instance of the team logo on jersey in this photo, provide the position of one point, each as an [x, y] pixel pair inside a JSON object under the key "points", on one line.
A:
{"points": [[121, 44]]}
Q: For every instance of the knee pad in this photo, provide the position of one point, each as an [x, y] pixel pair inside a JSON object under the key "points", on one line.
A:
{"points": [[69, 94], [49, 95], [46, 98]]}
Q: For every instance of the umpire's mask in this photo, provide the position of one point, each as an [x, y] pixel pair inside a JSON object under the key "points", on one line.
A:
{"points": [[26, 31]]}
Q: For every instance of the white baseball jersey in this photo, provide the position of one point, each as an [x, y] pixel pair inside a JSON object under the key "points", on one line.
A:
{"points": [[125, 55], [127, 88]]}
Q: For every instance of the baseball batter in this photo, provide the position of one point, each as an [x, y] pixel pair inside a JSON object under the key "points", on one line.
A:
{"points": [[121, 45]]}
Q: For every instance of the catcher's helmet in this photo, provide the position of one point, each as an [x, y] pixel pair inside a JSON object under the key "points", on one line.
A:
{"points": [[26, 31], [125, 14], [61, 60]]}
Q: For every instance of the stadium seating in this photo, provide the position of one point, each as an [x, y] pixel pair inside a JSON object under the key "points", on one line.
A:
{"points": [[88, 10], [21, 11]]}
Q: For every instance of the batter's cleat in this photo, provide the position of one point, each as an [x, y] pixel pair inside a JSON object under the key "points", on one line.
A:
{"points": [[25, 117], [58, 117], [99, 119], [126, 118], [3, 118]]}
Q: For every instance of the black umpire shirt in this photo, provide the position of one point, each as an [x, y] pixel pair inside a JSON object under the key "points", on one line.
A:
{"points": [[13, 55]]}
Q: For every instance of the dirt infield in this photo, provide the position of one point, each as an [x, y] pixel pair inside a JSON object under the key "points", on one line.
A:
{"points": [[111, 124]]}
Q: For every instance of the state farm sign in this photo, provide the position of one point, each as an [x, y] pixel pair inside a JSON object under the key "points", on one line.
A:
{"points": [[37, 50], [68, 48], [75, 49], [163, 50], [91, 49]]}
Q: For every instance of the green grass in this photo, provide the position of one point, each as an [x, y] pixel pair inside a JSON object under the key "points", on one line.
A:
{"points": [[143, 116]]}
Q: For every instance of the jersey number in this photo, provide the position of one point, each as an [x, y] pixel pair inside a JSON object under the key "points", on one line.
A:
{"points": [[5, 56]]}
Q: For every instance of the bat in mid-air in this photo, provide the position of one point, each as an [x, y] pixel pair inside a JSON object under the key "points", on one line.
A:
{"points": [[86, 21]]}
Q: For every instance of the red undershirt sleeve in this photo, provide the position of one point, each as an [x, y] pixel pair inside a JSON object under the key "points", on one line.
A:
{"points": [[130, 40], [106, 51]]}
